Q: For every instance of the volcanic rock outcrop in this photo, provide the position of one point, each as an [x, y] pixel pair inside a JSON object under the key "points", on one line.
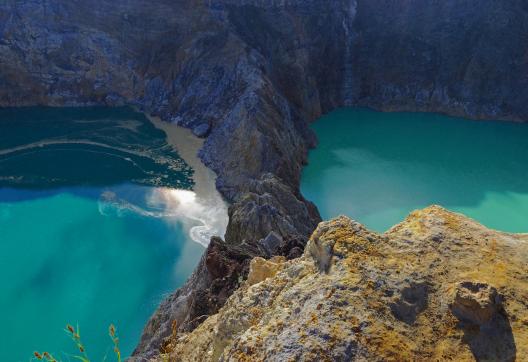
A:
{"points": [[250, 75], [438, 286]]}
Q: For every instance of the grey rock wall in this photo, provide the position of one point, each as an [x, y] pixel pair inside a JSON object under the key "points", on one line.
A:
{"points": [[253, 74]]}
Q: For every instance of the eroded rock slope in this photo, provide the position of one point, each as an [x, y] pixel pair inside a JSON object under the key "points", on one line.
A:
{"points": [[438, 286], [250, 75]]}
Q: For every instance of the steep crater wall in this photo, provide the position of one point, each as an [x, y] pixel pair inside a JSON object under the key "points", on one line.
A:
{"points": [[250, 75]]}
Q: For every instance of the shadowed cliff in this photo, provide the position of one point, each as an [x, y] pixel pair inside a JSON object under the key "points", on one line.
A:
{"points": [[250, 76]]}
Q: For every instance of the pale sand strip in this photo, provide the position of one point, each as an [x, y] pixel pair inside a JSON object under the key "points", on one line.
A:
{"points": [[206, 205]]}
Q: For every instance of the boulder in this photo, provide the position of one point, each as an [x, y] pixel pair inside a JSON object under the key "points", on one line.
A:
{"points": [[261, 269], [201, 130], [476, 302], [320, 249], [271, 243]]}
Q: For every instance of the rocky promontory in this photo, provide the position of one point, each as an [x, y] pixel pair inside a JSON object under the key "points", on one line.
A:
{"points": [[250, 75], [438, 286]]}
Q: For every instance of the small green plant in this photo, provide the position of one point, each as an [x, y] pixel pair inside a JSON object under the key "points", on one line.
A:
{"points": [[75, 335], [44, 356], [115, 340]]}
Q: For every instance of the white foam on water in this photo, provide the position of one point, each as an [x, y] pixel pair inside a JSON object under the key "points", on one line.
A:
{"points": [[201, 217], [207, 205], [189, 208], [202, 212]]}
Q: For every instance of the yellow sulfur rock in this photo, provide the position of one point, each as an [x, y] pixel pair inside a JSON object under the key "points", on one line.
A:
{"points": [[436, 287], [260, 269]]}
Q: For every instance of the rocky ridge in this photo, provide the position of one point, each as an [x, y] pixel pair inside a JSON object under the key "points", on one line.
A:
{"points": [[438, 286], [250, 75]]}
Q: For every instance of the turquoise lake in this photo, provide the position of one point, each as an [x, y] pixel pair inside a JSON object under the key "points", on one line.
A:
{"points": [[96, 213], [377, 167]]}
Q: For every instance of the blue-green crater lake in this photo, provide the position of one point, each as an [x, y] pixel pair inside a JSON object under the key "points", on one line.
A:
{"points": [[377, 167], [100, 218]]}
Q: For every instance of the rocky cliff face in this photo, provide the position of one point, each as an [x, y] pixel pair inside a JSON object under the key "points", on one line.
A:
{"points": [[458, 57], [438, 286], [249, 75]]}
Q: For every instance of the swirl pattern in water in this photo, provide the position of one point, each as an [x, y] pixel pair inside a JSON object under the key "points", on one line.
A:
{"points": [[99, 219]]}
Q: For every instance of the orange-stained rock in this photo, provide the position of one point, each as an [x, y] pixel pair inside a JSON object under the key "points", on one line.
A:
{"points": [[261, 269], [437, 287]]}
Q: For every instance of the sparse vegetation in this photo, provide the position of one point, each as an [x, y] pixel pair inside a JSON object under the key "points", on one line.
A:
{"points": [[75, 335]]}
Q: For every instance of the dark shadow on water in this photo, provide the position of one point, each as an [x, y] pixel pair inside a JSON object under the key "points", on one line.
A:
{"points": [[32, 124], [44, 151]]}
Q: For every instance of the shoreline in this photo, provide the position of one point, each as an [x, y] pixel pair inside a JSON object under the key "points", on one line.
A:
{"points": [[204, 203]]}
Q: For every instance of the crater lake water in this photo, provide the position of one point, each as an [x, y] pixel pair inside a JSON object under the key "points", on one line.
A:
{"points": [[99, 220], [377, 167]]}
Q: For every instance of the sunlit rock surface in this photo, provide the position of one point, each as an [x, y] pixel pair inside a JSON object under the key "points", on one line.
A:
{"points": [[438, 286], [251, 75]]}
